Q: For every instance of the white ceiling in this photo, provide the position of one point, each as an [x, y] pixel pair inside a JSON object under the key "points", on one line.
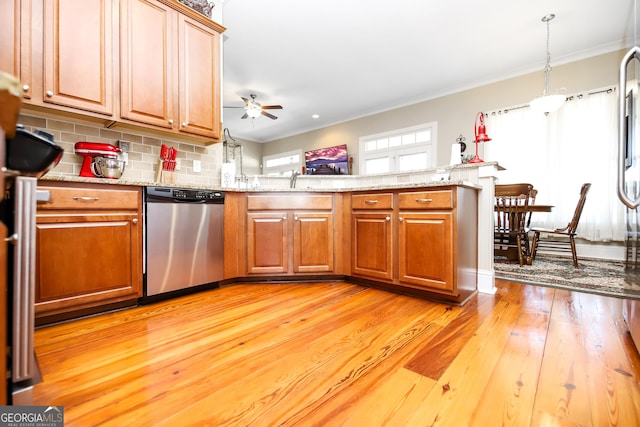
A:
{"points": [[344, 59]]}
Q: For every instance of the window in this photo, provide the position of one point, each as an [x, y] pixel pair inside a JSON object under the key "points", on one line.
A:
{"points": [[282, 163], [400, 150]]}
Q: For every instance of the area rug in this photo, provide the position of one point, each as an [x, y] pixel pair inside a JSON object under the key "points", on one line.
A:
{"points": [[609, 278]]}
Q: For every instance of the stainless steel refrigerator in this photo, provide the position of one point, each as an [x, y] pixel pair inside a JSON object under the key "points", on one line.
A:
{"points": [[628, 187]]}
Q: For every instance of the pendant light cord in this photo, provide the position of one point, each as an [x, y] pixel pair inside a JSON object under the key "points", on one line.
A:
{"points": [[547, 68]]}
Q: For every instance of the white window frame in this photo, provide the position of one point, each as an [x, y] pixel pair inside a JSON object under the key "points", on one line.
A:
{"points": [[285, 168], [392, 154]]}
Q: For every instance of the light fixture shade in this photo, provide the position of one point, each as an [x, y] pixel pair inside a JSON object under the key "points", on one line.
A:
{"points": [[253, 112], [548, 103]]}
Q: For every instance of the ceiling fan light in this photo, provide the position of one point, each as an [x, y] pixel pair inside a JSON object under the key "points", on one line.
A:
{"points": [[253, 112], [548, 103]]}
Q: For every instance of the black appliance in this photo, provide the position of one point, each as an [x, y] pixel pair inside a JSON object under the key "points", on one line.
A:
{"points": [[32, 153], [183, 248]]}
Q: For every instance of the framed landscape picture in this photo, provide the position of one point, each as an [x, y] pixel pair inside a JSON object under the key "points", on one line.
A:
{"points": [[327, 161]]}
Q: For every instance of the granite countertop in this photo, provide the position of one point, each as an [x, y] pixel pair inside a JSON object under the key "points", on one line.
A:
{"points": [[370, 187]]}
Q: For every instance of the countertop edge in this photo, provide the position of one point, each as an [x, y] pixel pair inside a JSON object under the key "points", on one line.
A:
{"points": [[408, 185]]}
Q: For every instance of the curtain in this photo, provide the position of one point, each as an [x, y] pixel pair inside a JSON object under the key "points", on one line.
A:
{"points": [[560, 152]]}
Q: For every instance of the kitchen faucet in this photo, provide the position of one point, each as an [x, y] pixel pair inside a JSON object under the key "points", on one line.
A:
{"points": [[292, 179]]}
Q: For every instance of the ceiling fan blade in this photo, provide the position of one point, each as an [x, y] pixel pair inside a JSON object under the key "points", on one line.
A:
{"points": [[246, 100], [244, 116], [272, 107], [271, 116]]}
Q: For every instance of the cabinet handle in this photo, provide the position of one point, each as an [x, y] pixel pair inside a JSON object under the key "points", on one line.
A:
{"points": [[424, 200], [134, 220], [388, 218], [25, 88], [86, 199], [370, 201], [49, 94], [170, 121]]}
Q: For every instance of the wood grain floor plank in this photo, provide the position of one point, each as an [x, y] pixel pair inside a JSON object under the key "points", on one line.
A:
{"points": [[436, 356], [333, 354], [461, 387], [564, 378], [610, 374]]}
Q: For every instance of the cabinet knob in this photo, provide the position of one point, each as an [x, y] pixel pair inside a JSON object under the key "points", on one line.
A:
{"points": [[13, 239], [49, 93], [295, 218], [284, 218], [184, 124], [134, 220], [388, 218], [25, 88], [170, 121], [400, 219]]}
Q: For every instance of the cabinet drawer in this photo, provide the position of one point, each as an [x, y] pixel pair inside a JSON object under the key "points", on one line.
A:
{"points": [[285, 201], [372, 201], [434, 199], [88, 198]]}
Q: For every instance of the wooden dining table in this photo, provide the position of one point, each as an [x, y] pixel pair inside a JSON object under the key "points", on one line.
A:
{"points": [[539, 208], [511, 253]]}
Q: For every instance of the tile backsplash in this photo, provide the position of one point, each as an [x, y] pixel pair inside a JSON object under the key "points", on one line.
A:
{"points": [[144, 150]]}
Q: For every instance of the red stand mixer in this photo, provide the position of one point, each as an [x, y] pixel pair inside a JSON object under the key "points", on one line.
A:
{"points": [[90, 150]]}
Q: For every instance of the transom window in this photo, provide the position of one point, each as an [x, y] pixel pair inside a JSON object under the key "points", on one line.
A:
{"points": [[400, 150], [282, 163]]}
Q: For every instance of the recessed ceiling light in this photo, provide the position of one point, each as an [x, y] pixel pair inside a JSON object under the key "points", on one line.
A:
{"points": [[315, 116]]}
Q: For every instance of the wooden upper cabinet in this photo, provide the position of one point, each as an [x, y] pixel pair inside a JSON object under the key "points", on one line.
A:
{"points": [[15, 42], [199, 78], [78, 54], [169, 69], [10, 37], [148, 69]]}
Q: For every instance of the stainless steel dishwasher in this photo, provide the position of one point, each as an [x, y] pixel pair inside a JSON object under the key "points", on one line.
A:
{"points": [[183, 241]]}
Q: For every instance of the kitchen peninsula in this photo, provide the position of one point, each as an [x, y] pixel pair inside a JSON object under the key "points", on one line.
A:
{"points": [[370, 229]]}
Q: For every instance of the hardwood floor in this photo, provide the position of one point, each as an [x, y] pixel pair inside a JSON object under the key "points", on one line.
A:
{"points": [[338, 354]]}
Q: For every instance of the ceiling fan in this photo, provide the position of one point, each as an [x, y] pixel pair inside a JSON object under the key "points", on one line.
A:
{"points": [[254, 109]]}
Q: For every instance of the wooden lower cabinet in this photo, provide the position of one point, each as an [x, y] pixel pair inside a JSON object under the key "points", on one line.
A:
{"points": [[291, 234], [371, 245], [88, 251], [423, 240], [425, 250], [274, 235]]}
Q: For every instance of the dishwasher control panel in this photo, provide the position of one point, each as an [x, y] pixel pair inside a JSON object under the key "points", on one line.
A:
{"points": [[168, 195]]}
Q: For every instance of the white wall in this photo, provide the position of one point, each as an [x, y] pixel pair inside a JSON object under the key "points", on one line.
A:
{"points": [[455, 114]]}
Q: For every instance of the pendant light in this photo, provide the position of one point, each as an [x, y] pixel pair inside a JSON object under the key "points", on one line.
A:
{"points": [[547, 103]]}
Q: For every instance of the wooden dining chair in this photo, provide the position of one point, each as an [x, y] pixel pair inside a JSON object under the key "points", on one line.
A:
{"points": [[561, 239], [512, 211]]}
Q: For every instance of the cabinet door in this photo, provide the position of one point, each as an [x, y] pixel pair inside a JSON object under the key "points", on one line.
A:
{"points": [[425, 250], [199, 78], [78, 54], [371, 245], [267, 242], [86, 261], [312, 242], [147, 61], [10, 37]]}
